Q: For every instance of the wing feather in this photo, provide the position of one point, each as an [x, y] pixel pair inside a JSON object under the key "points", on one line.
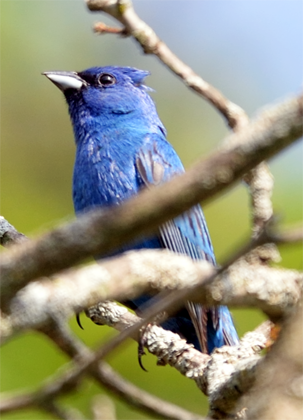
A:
{"points": [[186, 234]]}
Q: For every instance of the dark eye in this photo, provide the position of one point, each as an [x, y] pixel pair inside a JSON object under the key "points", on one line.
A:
{"points": [[106, 79]]}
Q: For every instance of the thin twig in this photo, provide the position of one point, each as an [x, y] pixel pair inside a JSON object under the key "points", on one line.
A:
{"points": [[288, 236], [8, 234], [124, 12], [107, 377], [41, 399], [102, 28], [86, 361], [139, 398], [59, 412], [103, 408]]}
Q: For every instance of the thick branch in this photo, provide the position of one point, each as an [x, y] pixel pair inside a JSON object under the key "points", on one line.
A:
{"points": [[168, 347], [219, 381], [278, 392], [226, 384], [103, 231], [160, 342], [275, 291], [224, 376]]}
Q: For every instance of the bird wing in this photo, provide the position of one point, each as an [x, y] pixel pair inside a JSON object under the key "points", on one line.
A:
{"points": [[187, 234]]}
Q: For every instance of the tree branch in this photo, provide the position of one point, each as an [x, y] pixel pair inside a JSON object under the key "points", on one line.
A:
{"points": [[8, 234], [275, 291], [224, 376], [287, 236], [107, 377], [259, 179], [124, 12], [134, 267], [139, 398], [103, 408], [103, 231], [209, 372], [278, 391]]}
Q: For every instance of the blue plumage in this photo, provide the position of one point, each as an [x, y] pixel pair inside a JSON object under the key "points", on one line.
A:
{"points": [[122, 148]]}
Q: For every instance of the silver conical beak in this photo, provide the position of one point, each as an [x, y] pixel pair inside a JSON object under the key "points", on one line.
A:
{"points": [[65, 79]]}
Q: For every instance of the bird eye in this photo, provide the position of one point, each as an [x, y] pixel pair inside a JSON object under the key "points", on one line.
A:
{"points": [[106, 79]]}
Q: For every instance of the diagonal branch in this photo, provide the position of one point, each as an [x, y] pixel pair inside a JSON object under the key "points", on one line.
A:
{"points": [[103, 231], [124, 12], [106, 376], [139, 398], [212, 374], [240, 377], [208, 371], [259, 180]]}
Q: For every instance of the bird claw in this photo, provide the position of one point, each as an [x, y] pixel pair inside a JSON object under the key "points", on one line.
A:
{"points": [[141, 345], [141, 353], [78, 320]]}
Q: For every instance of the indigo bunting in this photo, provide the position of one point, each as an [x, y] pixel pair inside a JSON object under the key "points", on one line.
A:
{"points": [[122, 148]]}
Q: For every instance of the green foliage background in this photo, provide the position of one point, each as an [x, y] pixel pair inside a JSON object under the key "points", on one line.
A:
{"points": [[250, 50]]}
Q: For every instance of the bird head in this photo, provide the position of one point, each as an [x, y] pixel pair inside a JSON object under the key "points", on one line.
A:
{"points": [[103, 91]]}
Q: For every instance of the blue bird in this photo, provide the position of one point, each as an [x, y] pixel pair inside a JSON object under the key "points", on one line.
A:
{"points": [[122, 148]]}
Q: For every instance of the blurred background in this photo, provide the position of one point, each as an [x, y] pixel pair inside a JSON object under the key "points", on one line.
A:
{"points": [[250, 50]]}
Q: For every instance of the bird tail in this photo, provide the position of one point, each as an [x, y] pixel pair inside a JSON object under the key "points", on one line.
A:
{"points": [[214, 326]]}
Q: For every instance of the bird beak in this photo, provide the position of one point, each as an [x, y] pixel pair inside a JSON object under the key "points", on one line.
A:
{"points": [[65, 79]]}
